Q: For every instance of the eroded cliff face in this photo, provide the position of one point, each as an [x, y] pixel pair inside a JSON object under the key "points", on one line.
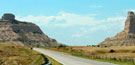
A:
{"points": [[126, 37], [29, 34]]}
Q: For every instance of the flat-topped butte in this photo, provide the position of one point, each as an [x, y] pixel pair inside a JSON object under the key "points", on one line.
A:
{"points": [[29, 34]]}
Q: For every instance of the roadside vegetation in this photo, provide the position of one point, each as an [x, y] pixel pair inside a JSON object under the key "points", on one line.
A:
{"points": [[54, 62], [19, 55], [121, 55]]}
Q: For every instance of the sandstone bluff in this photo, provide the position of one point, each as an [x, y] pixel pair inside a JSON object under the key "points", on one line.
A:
{"points": [[24, 33], [126, 37]]}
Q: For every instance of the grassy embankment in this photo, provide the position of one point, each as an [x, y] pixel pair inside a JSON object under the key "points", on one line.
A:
{"points": [[19, 55], [128, 52], [54, 62]]}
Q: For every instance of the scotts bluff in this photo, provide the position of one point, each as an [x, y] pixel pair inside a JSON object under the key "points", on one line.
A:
{"points": [[29, 34]]}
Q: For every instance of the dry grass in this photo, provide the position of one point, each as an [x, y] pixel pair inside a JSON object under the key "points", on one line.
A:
{"points": [[18, 55], [128, 51]]}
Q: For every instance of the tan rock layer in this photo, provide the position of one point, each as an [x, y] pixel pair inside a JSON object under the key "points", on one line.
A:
{"points": [[126, 37]]}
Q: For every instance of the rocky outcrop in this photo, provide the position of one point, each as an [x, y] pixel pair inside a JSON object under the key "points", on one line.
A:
{"points": [[130, 23], [126, 37], [8, 17], [27, 33]]}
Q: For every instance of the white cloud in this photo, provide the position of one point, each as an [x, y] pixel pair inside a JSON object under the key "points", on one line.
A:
{"points": [[76, 35], [68, 19], [64, 19], [95, 6], [108, 25], [126, 10], [41, 20], [116, 19]]}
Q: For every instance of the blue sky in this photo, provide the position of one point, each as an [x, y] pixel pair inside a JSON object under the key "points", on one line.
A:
{"points": [[72, 22]]}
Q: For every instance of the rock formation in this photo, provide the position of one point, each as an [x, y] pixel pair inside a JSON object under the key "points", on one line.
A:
{"points": [[29, 34], [126, 37], [8, 17]]}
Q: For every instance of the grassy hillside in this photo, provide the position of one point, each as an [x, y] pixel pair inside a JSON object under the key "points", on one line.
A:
{"points": [[19, 55]]}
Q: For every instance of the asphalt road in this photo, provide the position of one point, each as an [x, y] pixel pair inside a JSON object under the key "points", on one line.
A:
{"points": [[66, 59]]}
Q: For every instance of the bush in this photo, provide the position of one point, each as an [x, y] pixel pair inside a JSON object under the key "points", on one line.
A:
{"points": [[61, 46], [66, 48], [133, 51], [111, 51]]}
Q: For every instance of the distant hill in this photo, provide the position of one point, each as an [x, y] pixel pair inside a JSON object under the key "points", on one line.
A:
{"points": [[29, 34], [126, 37]]}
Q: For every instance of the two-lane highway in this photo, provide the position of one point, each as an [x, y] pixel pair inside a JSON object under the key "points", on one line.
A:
{"points": [[66, 59]]}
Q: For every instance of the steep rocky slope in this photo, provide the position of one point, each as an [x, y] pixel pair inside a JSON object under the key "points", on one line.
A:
{"points": [[126, 37], [29, 34]]}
